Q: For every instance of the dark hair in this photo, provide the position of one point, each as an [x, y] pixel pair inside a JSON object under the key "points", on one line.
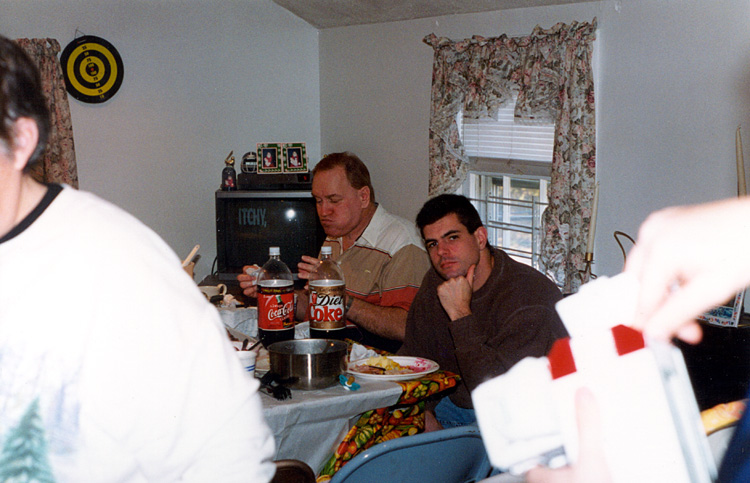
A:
{"points": [[356, 171], [444, 205], [21, 96]]}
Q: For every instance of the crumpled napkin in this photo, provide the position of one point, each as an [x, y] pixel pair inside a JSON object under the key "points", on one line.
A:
{"points": [[229, 302], [360, 352]]}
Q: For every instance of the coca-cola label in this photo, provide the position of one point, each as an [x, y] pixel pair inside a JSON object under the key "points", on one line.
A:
{"points": [[275, 307], [327, 306]]}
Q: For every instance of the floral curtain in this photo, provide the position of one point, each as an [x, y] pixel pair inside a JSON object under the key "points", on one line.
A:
{"points": [[58, 165], [550, 70]]}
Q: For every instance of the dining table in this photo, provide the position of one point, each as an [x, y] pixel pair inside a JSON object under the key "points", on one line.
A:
{"points": [[325, 428], [310, 425]]}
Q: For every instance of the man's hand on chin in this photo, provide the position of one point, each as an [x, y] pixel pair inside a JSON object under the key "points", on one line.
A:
{"points": [[455, 294]]}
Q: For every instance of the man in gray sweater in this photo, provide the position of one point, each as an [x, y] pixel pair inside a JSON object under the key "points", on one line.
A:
{"points": [[478, 311]]}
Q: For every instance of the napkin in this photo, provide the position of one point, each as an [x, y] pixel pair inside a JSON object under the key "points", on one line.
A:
{"points": [[302, 330], [229, 302], [360, 352]]}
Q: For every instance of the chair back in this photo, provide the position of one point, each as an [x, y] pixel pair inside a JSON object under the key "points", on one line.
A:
{"points": [[454, 455], [293, 471]]}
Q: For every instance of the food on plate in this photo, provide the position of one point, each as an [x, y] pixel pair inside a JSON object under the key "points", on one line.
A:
{"points": [[384, 365], [722, 415], [383, 362], [365, 369]]}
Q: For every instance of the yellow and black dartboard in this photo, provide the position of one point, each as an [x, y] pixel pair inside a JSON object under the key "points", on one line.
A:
{"points": [[92, 68]]}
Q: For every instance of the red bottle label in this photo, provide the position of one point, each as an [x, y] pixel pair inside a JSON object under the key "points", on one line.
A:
{"points": [[275, 305]]}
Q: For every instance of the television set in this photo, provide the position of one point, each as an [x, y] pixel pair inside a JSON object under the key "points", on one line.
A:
{"points": [[248, 222]]}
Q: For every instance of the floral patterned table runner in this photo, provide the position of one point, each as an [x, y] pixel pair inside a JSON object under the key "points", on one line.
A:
{"points": [[405, 418]]}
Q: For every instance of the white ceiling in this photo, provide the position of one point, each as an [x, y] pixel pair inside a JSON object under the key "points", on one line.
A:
{"points": [[339, 13]]}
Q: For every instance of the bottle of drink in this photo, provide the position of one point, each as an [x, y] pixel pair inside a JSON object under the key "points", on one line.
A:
{"points": [[275, 300], [327, 297]]}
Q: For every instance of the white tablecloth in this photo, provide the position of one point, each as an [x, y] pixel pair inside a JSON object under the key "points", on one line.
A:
{"points": [[241, 319], [309, 426]]}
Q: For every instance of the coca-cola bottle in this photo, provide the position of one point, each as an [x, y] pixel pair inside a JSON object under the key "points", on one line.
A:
{"points": [[275, 300], [327, 297]]}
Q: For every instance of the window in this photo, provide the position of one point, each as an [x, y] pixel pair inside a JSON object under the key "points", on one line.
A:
{"points": [[511, 208], [508, 181]]}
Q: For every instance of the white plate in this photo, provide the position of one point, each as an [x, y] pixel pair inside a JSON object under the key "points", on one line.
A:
{"points": [[425, 366]]}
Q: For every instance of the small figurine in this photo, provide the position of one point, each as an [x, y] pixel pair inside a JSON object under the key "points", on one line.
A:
{"points": [[228, 174]]}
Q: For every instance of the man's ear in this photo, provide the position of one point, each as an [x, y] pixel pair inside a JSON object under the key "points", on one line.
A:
{"points": [[480, 234], [25, 139], [364, 195]]}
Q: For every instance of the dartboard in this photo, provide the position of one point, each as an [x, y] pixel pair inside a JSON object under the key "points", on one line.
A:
{"points": [[92, 68]]}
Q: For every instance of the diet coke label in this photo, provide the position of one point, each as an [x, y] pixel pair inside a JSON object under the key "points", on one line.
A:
{"points": [[327, 304]]}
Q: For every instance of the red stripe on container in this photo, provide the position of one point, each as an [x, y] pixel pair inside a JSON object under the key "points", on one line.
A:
{"points": [[561, 362], [627, 339]]}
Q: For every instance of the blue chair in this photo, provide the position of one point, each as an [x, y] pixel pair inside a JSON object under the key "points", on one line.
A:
{"points": [[454, 455]]}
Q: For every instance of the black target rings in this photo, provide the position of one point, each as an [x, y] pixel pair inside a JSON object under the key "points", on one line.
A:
{"points": [[92, 69]]}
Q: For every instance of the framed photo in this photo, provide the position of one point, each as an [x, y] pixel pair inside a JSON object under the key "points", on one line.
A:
{"points": [[269, 158], [295, 157], [727, 314]]}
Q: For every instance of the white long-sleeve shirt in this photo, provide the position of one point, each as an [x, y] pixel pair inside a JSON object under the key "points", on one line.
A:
{"points": [[113, 366]]}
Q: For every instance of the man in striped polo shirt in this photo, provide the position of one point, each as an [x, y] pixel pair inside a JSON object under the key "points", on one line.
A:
{"points": [[381, 254]]}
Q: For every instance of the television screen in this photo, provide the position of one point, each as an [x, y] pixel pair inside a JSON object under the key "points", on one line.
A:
{"points": [[248, 222]]}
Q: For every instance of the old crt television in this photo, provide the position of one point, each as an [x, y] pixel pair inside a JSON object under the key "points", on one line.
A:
{"points": [[248, 222]]}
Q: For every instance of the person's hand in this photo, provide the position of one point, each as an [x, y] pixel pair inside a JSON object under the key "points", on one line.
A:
{"points": [[687, 261], [430, 422], [307, 266], [248, 283], [591, 466], [455, 294]]}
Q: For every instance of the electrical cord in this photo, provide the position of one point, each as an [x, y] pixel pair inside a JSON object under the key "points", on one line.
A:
{"points": [[622, 249]]}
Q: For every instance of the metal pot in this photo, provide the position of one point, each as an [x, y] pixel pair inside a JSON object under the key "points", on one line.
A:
{"points": [[310, 363]]}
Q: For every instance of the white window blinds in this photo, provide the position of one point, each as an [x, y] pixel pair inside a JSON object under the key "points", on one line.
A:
{"points": [[506, 138]]}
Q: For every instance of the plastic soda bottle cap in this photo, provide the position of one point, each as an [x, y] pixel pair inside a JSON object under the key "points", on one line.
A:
{"points": [[274, 251], [325, 250]]}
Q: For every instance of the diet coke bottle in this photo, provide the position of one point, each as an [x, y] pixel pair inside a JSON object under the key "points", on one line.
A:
{"points": [[275, 300], [327, 296]]}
